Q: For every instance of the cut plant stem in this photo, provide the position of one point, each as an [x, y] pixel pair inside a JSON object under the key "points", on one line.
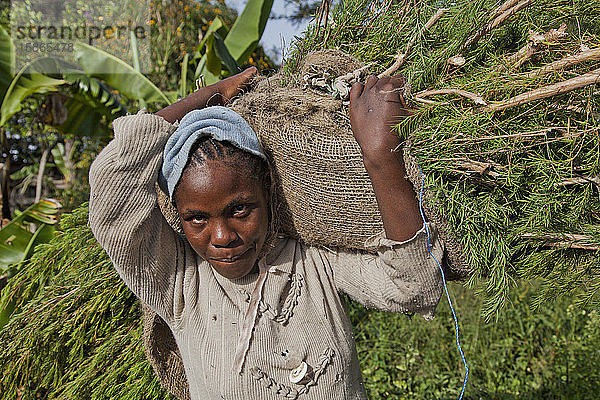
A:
{"points": [[323, 16], [535, 40], [501, 14], [566, 62], [401, 57], [579, 181], [471, 96], [547, 91], [496, 22], [482, 168], [569, 240], [503, 7]]}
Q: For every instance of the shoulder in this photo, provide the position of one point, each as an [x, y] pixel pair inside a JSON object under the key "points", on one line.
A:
{"points": [[142, 122]]}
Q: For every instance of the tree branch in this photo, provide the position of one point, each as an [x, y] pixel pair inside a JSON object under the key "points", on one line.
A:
{"points": [[471, 96], [566, 62], [500, 15], [503, 7], [569, 240], [547, 91], [579, 181], [535, 40], [400, 57]]}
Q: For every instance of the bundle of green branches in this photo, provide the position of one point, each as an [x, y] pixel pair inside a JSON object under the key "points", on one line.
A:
{"points": [[77, 332], [506, 132], [506, 128]]}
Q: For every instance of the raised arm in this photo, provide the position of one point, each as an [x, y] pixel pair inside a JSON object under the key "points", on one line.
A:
{"points": [[374, 108], [124, 215], [402, 276], [214, 95]]}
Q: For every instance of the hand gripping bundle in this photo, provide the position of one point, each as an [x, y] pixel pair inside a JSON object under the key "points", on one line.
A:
{"points": [[323, 192]]}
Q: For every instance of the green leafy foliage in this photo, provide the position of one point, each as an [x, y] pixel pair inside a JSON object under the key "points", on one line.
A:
{"points": [[519, 187], [223, 50], [7, 61], [117, 73], [223, 53], [545, 354], [17, 239], [79, 337], [28, 81], [90, 106], [248, 29]]}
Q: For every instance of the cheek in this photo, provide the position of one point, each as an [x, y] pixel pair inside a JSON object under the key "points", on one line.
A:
{"points": [[253, 230], [198, 241], [256, 228]]}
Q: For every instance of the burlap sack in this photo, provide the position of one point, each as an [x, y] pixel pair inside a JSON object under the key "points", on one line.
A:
{"points": [[163, 354], [323, 193]]}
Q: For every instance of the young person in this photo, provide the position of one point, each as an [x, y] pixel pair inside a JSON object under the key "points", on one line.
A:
{"points": [[255, 316]]}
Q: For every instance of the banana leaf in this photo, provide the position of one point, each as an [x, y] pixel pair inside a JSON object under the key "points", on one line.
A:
{"points": [[27, 82], [16, 238], [248, 29], [118, 74], [7, 61]]}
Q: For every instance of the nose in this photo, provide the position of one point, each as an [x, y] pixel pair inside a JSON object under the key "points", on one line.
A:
{"points": [[223, 235]]}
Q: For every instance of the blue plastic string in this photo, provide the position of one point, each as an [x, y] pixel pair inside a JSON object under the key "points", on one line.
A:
{"points": [[462, 392]]}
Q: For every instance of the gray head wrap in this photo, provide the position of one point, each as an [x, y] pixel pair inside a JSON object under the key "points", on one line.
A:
{"points": [[218, 122]]}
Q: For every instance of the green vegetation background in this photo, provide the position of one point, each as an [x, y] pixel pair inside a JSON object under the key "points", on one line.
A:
{"points": [[80, 338]]}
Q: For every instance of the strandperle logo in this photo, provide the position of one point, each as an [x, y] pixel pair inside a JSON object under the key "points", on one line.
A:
{"points": [[44, 30], [83, 32]]}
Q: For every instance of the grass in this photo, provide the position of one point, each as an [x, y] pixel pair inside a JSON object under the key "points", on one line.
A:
{"points": [[79, 335], [547, 354]]}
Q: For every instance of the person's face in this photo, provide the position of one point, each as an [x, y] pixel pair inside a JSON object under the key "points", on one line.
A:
{"points": [[224, 216]]}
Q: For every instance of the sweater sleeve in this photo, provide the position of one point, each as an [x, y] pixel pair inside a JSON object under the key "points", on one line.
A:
{"points": [[124, 215], [397, 276]]}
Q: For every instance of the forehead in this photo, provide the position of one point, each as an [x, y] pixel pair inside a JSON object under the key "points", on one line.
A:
{"points": [[215, 182]]}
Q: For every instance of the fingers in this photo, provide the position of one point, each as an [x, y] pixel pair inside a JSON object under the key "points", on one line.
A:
{"points": [[233, 85], [393, 88], [371, 81], [238, 79], [398, 80], [248, 73], [356, 91]]}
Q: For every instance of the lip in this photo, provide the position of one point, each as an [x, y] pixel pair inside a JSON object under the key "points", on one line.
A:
{"points": [[231, 259]]}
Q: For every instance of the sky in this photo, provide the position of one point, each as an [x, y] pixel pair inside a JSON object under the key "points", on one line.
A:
{"points": [[277, 31]]}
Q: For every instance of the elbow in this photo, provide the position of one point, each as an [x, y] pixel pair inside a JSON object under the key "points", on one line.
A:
{"points": [[421, 300]]}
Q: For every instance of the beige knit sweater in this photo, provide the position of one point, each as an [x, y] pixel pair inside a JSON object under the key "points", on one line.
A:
{"points": [[301, 325]]}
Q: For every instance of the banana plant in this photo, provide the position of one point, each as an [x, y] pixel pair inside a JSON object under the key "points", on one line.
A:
{"points": [[86, 105], [222, 50], [33, 226], [7, 61], [18, 239]]}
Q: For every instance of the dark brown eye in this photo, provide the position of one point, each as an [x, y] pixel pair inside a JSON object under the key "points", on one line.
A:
{"points": [[240, 210], [196, 219]]}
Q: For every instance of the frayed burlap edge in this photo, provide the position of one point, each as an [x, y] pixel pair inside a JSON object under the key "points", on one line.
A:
{"points": [[163, 354]]}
